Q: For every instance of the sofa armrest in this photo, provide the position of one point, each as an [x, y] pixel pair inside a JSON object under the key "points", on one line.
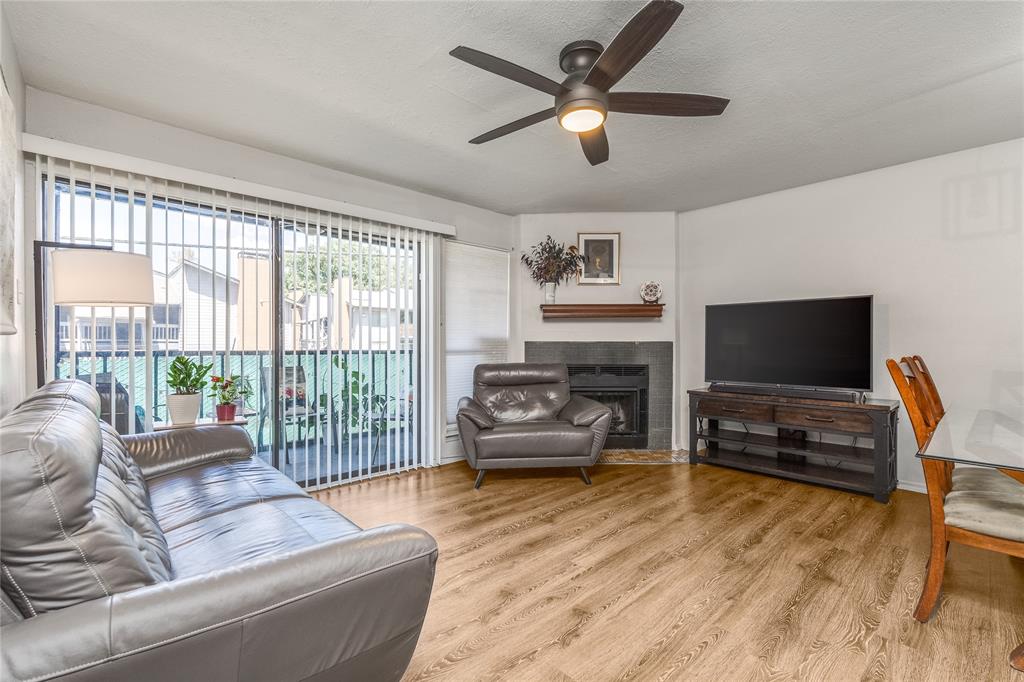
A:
{"points": [[166, 451], [581, 411], [290, 616]]}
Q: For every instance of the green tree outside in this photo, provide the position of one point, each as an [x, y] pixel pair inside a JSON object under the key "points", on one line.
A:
{"points": [[370, 266]]}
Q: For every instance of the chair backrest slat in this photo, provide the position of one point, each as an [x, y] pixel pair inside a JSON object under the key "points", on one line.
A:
{"points": [[912, 393], [920, 369]]}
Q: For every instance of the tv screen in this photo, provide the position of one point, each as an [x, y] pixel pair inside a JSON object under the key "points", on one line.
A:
{"points": [[820, 343]]}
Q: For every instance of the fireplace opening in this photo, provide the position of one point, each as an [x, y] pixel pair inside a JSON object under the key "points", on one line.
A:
{"points": [[624, 389]]}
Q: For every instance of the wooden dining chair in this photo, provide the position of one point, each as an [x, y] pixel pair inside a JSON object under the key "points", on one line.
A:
{"points": [[970, 505]]}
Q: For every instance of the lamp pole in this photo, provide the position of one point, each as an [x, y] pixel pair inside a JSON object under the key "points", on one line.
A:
{"points": [[37, 263]]}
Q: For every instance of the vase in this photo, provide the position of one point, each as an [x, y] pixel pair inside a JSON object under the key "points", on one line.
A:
{"points": [[549, 292], [226, 413], [183, 408]]}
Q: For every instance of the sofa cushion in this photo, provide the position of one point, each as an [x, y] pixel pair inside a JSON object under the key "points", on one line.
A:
{"points": [[986, 501], [534, 439], [9, 613], [252, 532], [195, 493], [72, 528], [68, 389], [134, 498]]}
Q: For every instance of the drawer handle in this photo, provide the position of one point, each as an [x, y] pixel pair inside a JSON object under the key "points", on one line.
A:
{"points": [[826, 420], [733, 410]]}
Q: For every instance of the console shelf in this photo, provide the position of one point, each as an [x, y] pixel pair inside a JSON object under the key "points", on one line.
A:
{"points": [[796, 451], [820, 474], [837, 451]]}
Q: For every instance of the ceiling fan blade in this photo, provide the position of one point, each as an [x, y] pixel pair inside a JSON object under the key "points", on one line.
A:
{"points": [[507, 69], [666, 104], [595, 145], [514, 126], [633, 42]]}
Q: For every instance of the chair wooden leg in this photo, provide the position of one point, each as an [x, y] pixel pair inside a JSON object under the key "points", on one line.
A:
{"points": [[586, 477], [479, 478], [933, 578]]}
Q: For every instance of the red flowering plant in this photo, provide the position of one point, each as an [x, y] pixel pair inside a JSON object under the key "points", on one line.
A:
{"points": [[227, 390]]}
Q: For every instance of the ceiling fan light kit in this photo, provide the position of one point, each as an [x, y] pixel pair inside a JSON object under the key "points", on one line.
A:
{"points": [[583, 100]]}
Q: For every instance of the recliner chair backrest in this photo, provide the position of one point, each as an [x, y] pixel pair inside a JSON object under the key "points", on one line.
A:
{"points": [[524, 391]]}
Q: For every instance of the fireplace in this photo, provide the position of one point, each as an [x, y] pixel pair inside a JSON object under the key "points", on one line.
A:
{"points": [[623, 388]]}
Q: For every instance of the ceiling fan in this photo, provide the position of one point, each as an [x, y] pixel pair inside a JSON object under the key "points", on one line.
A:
{"points": [[582, 100]]}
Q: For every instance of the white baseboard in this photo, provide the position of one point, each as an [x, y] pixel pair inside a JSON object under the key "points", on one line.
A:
{"points": [[912, 486]]}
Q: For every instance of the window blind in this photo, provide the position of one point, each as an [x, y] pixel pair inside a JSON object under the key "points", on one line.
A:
{"points": [[342, 309], [476, 283]]}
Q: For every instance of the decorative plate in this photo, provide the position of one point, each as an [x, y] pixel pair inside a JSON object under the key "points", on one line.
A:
{"points": [[650, 292]]}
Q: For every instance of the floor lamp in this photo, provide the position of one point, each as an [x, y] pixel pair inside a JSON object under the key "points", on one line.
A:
{"points": [[89, 275]]}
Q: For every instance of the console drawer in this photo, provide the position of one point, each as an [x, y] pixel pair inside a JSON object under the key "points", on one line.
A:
{"points": [[727, 409], [826, 420]]}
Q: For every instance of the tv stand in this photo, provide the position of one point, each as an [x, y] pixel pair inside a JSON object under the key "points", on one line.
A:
{"points": [[787, 438]]}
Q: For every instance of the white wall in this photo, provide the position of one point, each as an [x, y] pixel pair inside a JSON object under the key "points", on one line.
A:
{"points": [[13, 347], [69, 120], [937, 242], [647, 250]]}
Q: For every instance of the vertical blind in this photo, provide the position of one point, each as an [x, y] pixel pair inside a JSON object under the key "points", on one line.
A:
{"points": [[476, 282], [341, 308]]}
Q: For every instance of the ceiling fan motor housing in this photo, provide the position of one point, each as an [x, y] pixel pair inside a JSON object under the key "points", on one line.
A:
{"points": [[576, 59], [580, 96]]}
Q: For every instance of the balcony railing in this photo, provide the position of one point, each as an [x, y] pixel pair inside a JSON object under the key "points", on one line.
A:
{"points": [[339, 431]]}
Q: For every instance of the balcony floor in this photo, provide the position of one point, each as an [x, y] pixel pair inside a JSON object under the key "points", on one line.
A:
{"points": [[299, 461]]}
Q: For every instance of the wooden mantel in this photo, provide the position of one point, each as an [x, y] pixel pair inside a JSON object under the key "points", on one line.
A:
{"points": [[580, 311]]}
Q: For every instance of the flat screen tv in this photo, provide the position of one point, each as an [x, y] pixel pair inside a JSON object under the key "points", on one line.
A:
{"points": [[816, 343]]}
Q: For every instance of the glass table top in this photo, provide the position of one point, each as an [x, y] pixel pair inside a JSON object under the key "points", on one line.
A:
{"points": [[992, 437]]}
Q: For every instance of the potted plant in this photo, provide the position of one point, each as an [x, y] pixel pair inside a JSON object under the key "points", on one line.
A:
{"points": [[186, 378], [229, 392], [551, 263]]}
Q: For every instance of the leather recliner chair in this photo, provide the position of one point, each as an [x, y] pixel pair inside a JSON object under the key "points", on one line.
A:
{"points": [[178, 556], [521, 415]]}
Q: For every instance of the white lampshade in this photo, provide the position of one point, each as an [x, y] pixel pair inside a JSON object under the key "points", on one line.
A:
{"points": [[97, 277]]}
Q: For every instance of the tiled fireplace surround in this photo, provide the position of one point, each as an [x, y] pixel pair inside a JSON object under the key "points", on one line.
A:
{"points": [[657, 355]]}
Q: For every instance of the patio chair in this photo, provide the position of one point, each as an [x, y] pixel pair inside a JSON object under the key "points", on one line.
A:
{"points": [[297, 409]]}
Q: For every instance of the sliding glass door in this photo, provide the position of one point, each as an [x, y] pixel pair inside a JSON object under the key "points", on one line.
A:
{"points": [[350, 340], [329, 318]]}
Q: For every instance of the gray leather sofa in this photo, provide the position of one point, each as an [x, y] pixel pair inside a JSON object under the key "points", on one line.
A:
{"points": [[177, 556], [522, 415]]}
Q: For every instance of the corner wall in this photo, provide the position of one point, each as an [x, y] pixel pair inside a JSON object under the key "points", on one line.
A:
{"points": [[937, 242], [647, 253]]}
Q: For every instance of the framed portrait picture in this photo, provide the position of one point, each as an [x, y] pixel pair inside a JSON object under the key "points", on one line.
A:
{"points": [[601, 251]]}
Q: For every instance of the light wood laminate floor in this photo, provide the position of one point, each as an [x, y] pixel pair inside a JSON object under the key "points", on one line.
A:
{"points": [[688, 573]]}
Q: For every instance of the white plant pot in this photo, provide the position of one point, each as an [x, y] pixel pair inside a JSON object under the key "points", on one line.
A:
{"points": [[183, 408], [549, 292]]}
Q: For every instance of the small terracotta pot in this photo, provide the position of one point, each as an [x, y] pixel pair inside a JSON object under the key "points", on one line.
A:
{"points": [[226, 413]]}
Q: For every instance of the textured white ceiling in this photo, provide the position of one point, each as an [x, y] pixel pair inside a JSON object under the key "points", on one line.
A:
{"points": [[818, 89]]}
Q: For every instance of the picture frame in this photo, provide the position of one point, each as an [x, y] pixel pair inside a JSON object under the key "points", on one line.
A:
{"points": [[602, 253]]}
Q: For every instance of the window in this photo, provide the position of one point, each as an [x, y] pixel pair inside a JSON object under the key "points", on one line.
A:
{"points": [[476, 315]]}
